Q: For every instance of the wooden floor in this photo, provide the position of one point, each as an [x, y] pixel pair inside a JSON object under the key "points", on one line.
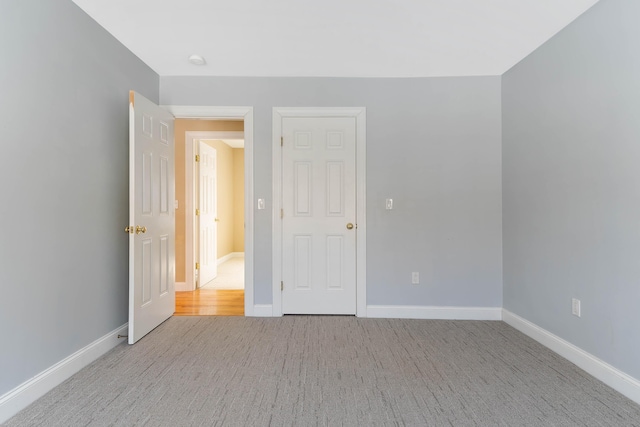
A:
{"points": [[210, 302]]}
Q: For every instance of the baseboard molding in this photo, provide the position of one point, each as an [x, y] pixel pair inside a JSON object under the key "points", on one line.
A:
{"points": [[606, 373], [228, 256], [428, 312], [262, 310], [28, 392], [182, 286]]}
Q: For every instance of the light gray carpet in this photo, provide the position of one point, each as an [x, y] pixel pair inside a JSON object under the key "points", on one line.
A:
{"points": [[313, 370]]}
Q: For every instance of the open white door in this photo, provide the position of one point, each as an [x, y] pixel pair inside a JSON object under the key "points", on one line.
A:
{"points": [[207, 213], [151, 216]]}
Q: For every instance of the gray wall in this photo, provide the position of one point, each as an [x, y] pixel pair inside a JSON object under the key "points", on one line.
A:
{"points": [[64, 85], [433, 145], [571, 181]]}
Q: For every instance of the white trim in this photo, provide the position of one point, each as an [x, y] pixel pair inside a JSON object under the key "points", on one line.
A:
{"points": [[613, 377], [228, 256], [182, 286], [28, 392], [262, 310], [208, 112], [359, 113], [276, 224], [433, 312], [237, 113], [361, 212]]}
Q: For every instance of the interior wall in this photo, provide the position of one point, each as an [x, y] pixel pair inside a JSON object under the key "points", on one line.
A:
{"points": [[571, 183], [433, 145], [64, 178], [238, 199], [182, 126]]}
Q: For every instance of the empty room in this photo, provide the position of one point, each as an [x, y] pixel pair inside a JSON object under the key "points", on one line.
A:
{"points": [[436, 206]]}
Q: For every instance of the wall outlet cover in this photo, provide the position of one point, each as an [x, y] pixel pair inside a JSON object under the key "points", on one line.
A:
{"points": [[575, 307]]}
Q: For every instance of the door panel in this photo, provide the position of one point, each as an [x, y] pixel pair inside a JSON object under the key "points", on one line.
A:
{"points": [[207, 220], [151, 217], [319, 200]]}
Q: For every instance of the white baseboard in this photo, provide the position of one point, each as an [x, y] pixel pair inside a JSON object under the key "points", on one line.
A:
{"points": [[606, 373], [428, 312], [228, 256], [182, 286], [262, 310], [28, 392]]}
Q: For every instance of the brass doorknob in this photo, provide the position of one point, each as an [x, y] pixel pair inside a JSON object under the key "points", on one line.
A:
{"points": [[129, 229], [140, 229], [349, 226]]}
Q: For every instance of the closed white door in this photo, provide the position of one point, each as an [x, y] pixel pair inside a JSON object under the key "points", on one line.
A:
{"points": [[151, 216], [208, 211], [318, 215]]}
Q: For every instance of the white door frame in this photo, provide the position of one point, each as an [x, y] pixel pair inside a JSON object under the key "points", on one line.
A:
{"points": [[359, 113], [221, 113]]}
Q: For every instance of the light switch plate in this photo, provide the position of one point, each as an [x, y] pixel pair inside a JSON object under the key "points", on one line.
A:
{"points": [[415, 278], [260, 204], [389, 204]]}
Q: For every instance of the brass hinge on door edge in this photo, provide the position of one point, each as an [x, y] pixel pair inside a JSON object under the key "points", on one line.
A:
{"points": [[282, 141], [197, 212], [282, 286], [197, 266], [197, 157]]}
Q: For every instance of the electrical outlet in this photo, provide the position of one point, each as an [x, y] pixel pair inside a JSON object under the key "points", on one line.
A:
{"points": [[415, 278], [575, 307]]}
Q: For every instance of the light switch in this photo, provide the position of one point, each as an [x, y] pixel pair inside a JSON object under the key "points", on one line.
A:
{"points": [[389, 204], [260, 204], [175, 204]]}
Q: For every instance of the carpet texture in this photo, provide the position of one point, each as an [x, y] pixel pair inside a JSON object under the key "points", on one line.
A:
{"points": [[329, 371]]}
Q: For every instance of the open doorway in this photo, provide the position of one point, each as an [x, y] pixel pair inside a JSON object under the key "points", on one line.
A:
{"points": [[211, 217], [219, 224]]}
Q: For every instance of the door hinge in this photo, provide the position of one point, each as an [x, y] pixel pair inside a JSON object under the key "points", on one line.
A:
{"points": [[282, 141], [197, 266], [197, 212], [281, 213], [282, 286], [197, 157]]}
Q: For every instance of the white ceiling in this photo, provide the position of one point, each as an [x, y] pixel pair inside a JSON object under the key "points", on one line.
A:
{"points": [[334, 38]]}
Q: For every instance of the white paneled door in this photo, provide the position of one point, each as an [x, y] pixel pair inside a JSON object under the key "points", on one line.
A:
{"points": [[151, 216], [207, 214], [319, 215]]}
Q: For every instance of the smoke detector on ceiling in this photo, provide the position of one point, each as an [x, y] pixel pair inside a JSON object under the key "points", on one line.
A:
{"points": [[197, 60]]}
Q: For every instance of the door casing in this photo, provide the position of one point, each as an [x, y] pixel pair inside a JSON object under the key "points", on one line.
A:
{"points": [[359, 113]]}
